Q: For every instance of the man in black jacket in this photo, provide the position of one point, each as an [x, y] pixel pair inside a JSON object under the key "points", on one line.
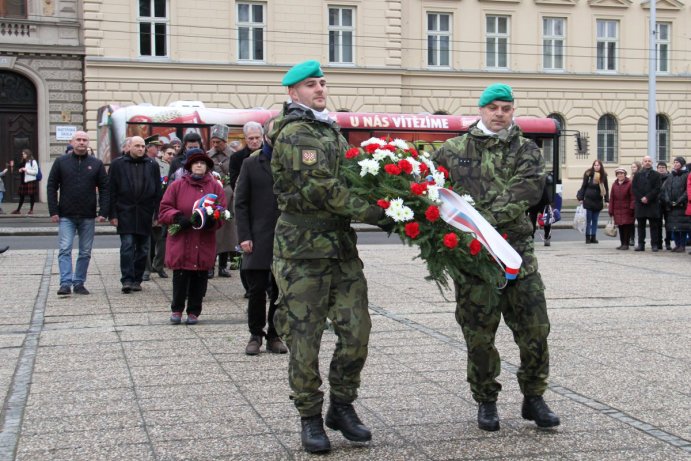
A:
{"points": [[135, 193], [646, 187], [254, 134], [78, 176]]}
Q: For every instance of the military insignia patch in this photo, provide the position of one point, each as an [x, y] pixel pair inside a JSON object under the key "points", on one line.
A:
{"points": [[309, 157]]}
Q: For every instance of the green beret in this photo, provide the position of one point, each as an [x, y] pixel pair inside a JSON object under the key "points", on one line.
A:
{"points": [[496, 92], [301, 71]]}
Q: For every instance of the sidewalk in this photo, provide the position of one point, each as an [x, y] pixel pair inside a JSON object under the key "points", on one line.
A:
{"points": [[106, 377]]}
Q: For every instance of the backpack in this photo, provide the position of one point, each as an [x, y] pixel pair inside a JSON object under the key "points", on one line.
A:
{"points": [[39, 175]]}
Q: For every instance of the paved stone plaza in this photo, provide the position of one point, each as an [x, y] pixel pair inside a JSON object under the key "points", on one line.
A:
{"points": [[106, 377]]}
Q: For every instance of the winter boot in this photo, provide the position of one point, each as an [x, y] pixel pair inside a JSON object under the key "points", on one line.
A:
{"points": [[587, 238], [593, 239], [488, 417], [342, 417], [314, 439], [535, 409]]}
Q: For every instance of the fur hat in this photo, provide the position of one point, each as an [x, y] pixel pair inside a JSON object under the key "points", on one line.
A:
{"points": [[220, 132], [197, 155]]}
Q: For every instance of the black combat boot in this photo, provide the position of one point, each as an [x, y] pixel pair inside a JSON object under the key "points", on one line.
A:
{"points": [[314, 439], [342, 417], [488, 417], [535, 409]]}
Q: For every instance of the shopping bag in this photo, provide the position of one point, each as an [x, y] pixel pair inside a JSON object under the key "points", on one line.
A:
{"points": [[610, 228], [579, 219]]}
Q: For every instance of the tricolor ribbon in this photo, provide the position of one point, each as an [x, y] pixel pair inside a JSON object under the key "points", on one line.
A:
{"points": [[199, 208], [461, 215]]}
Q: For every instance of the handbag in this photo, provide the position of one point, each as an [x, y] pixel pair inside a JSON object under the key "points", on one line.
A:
{"points": [[39, 175], [579, 219], [610, 228]]}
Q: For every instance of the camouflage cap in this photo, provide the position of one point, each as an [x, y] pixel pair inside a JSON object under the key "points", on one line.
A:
{"points": [[220, 132], [301, 71], [496, 92]]}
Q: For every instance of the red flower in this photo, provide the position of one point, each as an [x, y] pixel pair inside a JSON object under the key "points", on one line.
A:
{"points": [[392, 169], [405, 166], [389, 147], [475, 247], [383, 203], [432, 213], [506, 236], [352, 152], [418, 189], [423, 169], [412, 151], [412, 229], [450, 240], [217, 214], [441, 169], [370, 148]]}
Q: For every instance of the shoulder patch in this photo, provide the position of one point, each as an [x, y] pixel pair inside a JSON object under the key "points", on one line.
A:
{"points": [[309, 156]]}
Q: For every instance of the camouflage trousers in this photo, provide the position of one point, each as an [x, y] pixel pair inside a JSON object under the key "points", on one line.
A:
{"points": [[479, 309], [310, 291]]}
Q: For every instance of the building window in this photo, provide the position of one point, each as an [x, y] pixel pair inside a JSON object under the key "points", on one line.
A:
{"points": [[553, 37], [662, 131], [662, 46], [607, 37], [562, 141], [341, 33], [251, 26], [607, 139], [497, 41], [153, 28], [12, 8], [438, 39]]}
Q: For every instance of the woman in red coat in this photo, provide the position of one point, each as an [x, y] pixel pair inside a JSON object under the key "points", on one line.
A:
{"points": [[190, 253], [621, 207]]}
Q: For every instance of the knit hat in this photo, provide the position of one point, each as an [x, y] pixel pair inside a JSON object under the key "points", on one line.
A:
{"points": [[496, 92], [681, 160], [197, 155]]}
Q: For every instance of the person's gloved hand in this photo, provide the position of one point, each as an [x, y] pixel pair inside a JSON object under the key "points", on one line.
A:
{"points": [[210, 222], [183, 221]]}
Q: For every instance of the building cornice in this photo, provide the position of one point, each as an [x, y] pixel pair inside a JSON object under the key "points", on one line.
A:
{"points": [[43, 50]]}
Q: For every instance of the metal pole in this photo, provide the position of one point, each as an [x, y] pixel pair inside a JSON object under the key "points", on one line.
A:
{"points": [[652, 69]]}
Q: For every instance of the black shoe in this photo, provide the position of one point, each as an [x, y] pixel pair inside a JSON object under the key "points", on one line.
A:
{"points": [[210, 274], [146, 277], [488, 417], [4, 249], [314, 439], [593, 239], [639, 248], [136, 286], [535, 409], [127, 287], [81, 290], [223, 272], [654, 249], [342, 417], [65, 290], [587, 238], [162, 274]]}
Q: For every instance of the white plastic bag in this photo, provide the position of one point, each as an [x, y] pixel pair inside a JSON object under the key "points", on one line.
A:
{"points": [[579, 219]]}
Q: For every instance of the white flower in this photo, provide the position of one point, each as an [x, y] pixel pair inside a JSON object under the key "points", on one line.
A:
{"points": [[424, 154], [433, 193], [439, 178], [209, 210], [372, 141], [468, 199], [398, 211], [369, 166], [380, 155], [226, 215], [401, 144], [415, 164]]}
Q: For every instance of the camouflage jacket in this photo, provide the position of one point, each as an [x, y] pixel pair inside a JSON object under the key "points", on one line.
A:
{"points": [[504, 176], [313, 196]]}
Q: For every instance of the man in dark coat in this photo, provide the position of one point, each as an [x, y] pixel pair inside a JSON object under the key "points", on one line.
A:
{"points": [[646, 191], [135, 193], [664, 174], [254, 133], [256, 213]]}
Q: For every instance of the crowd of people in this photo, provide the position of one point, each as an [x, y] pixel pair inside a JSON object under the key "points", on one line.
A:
{"points": [[651, 199], [290, 229]]}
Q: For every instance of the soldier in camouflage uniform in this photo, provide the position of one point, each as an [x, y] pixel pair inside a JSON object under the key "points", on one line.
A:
{"points": [[504, 173], [316, 264]]}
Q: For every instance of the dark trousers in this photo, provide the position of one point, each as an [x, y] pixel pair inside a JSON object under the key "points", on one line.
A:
{"points": [[655, 237], [259, 282], [157, 255], [134, 250], [660, 225], [625, 234], [189, 286]]}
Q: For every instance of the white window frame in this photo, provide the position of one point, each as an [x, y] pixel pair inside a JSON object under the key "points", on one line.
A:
{"points": [[606, 40], [436, 35], [153, 21], [662, 43], [493, 41], [553, 43], [338, 32], [608, 139], [251, 25]]}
